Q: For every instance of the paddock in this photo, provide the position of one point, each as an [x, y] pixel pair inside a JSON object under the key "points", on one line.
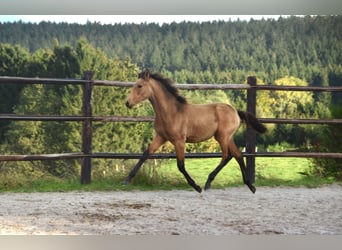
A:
{"points": [[231, 211], [86, 155]]}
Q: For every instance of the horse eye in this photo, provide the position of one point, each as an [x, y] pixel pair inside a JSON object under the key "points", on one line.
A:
{"points": [[139, 86]]}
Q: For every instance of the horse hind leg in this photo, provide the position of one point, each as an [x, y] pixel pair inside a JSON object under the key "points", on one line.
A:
{"points": [[238, 157], [244, 174], [213, 174], [226, 157]]}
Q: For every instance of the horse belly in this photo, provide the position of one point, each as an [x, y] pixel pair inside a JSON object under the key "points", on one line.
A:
{"points": [[201, 128], [198, 138]]}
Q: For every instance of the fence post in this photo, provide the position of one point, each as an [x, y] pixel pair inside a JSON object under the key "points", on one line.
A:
{"points": [[87, 127], [251, 134]]}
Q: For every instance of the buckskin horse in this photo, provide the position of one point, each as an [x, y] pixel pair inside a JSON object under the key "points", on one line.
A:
{"points": [[180, 122]]}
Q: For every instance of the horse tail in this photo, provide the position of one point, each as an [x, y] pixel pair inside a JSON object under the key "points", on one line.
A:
{"points": [[250, 119]]}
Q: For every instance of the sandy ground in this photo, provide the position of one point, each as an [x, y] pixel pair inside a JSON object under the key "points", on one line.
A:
{"points": [[215, 212]]}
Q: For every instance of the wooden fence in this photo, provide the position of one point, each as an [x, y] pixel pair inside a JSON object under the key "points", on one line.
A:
{"points": [[87, 118]]}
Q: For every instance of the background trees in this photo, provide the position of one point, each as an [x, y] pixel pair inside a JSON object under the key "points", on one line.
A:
{"points": [[270, 49], [51, 137]]}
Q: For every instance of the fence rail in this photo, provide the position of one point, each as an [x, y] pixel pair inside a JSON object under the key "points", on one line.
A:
{"points": [[87, 119], [148, 119], [127, 156]]}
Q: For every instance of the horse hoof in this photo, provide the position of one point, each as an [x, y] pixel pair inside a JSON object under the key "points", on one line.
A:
{"points": [[198, 189], [207, 186], [126, 182], [252, 188]]}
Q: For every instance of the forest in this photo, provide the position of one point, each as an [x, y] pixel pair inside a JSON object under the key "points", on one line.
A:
{"points": [[295, 51]]}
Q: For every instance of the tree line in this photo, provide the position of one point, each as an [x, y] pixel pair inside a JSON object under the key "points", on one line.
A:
{"points": [[293, 51], [305, 47]]}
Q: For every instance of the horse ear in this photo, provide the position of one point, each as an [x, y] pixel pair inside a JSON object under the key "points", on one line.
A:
{"points": [[147, 74]]}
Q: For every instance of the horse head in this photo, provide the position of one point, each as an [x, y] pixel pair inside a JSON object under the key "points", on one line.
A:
{"points": [[141, 89]]}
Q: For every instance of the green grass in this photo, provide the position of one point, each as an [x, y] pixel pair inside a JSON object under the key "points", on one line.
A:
{"points": [[269, 172]]}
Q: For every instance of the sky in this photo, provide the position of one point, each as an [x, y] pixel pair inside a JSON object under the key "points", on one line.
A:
{"points": [[112, 19]]}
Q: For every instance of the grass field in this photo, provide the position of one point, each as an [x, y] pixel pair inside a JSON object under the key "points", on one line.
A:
{"points": [[269, 172]]}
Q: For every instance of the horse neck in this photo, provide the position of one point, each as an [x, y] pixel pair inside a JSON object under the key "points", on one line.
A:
{"points": [[164, 103]]}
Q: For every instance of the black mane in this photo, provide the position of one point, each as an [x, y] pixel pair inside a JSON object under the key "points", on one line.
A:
{"points": [[166, 82]]}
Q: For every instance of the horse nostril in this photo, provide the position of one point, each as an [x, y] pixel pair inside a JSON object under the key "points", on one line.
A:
{"points": [[127, 104]]}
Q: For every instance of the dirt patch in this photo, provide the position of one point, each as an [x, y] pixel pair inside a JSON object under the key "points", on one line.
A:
{"points": [[215, 212]]}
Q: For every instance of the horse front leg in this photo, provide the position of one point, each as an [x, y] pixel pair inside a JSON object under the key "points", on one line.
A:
{"points": [[137, 167], [155, 144], [181, 166]]}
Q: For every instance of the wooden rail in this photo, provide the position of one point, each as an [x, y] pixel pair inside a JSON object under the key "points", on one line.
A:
{"points": [[87, 119], [127, 156]]}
